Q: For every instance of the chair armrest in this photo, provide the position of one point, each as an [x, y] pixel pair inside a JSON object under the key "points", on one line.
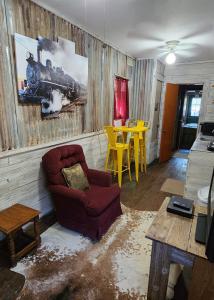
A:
{"points": [[100, 178], [70, 193]]}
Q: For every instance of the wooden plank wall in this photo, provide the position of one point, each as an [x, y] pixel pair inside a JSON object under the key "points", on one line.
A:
{"points": [[21, 125], [22, 178], [24, 136]]}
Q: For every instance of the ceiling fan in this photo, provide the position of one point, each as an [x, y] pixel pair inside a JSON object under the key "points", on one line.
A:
{"points": [[176, 48], [171, 47], [159, 45]]}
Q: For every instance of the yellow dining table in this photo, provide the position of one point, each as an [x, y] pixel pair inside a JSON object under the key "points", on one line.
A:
{"points": [[136, 132]]}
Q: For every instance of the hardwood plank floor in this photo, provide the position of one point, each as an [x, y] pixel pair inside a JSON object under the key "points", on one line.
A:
{"points": [[146, 195]]}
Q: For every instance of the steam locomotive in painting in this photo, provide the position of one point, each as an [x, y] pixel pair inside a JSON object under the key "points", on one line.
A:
{"points": [[41, 80], [51, 74]]}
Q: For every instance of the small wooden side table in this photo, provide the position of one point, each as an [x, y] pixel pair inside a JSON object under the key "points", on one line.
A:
{"points": [[173, 241], [11, 221]]}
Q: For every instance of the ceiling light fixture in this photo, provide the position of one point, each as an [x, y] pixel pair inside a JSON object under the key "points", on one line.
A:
{"points": [[171, 57]]}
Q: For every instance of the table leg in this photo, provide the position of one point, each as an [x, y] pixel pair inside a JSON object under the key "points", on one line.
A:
{"points": [[202, 283], [36, 230], [125, 137], [11, 247], [159, 271], [136, 154]]}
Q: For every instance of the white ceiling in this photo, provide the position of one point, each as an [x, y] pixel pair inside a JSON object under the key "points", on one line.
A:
{"points": [[141, 27]]}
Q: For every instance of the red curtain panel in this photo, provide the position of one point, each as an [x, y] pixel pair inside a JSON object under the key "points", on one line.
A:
{"points": [[121, 99]]}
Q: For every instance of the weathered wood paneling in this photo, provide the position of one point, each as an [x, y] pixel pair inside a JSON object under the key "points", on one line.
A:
{"points": [[21, 125], [22, 179], [24, 136], [8, 117]]}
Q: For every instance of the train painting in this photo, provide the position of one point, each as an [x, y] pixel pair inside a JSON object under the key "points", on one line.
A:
{"points": [[50, 74]]}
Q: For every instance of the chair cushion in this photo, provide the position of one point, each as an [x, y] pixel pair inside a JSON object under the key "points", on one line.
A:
{"points": [[99, 198], [75, 177]]}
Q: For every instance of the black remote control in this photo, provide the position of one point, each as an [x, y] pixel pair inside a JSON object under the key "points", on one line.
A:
{"points": [[180, 205]]}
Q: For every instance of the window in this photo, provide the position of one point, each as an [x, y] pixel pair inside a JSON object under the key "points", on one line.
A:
{"points": [[195, 107]]}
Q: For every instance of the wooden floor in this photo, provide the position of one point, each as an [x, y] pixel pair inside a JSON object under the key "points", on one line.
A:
{"points": [[146, 195]]}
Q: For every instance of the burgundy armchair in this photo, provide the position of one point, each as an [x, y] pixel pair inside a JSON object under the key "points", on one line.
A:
{"points": [[89, 212]]}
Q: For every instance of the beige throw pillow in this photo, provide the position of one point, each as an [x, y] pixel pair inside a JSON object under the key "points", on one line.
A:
{"points": [[75, 177]]}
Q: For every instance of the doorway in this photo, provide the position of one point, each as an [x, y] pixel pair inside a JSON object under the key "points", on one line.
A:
{"points": [[187, 120], [180, 118]]}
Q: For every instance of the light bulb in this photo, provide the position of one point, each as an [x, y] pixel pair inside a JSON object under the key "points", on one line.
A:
{"points": [[171, 58]]}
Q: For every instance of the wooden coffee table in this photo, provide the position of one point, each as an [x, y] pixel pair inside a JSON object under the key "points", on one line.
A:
{"points": [[12, 220], [173, 241]]}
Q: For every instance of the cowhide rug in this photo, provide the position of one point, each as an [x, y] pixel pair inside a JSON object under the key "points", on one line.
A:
{"points": [[70, 266]]}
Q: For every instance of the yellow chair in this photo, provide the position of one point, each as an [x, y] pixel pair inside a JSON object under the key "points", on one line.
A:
{"points": [[117, 150], [142, 141]]}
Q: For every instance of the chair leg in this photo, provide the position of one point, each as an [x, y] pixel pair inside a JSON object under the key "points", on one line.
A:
{"points": [[145, 167], [141, 156], [144, 157], [107, 159], [119, 165], [115, 162], [128, 161]]}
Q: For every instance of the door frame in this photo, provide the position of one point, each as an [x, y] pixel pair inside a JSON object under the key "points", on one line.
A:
{"points": [[153, 153], [162, 103], [185, 88], [155, 144]]}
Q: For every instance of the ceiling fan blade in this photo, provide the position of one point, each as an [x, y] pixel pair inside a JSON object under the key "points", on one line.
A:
{"points": [[143, 37], [163, 48], [184, 53], [187, 46], [202, 29]]}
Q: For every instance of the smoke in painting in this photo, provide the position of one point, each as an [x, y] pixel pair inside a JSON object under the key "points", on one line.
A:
{"points": [[50, 74]]}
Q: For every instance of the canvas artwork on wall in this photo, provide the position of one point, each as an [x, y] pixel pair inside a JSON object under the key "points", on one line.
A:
{"points": [[50, 74]]}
